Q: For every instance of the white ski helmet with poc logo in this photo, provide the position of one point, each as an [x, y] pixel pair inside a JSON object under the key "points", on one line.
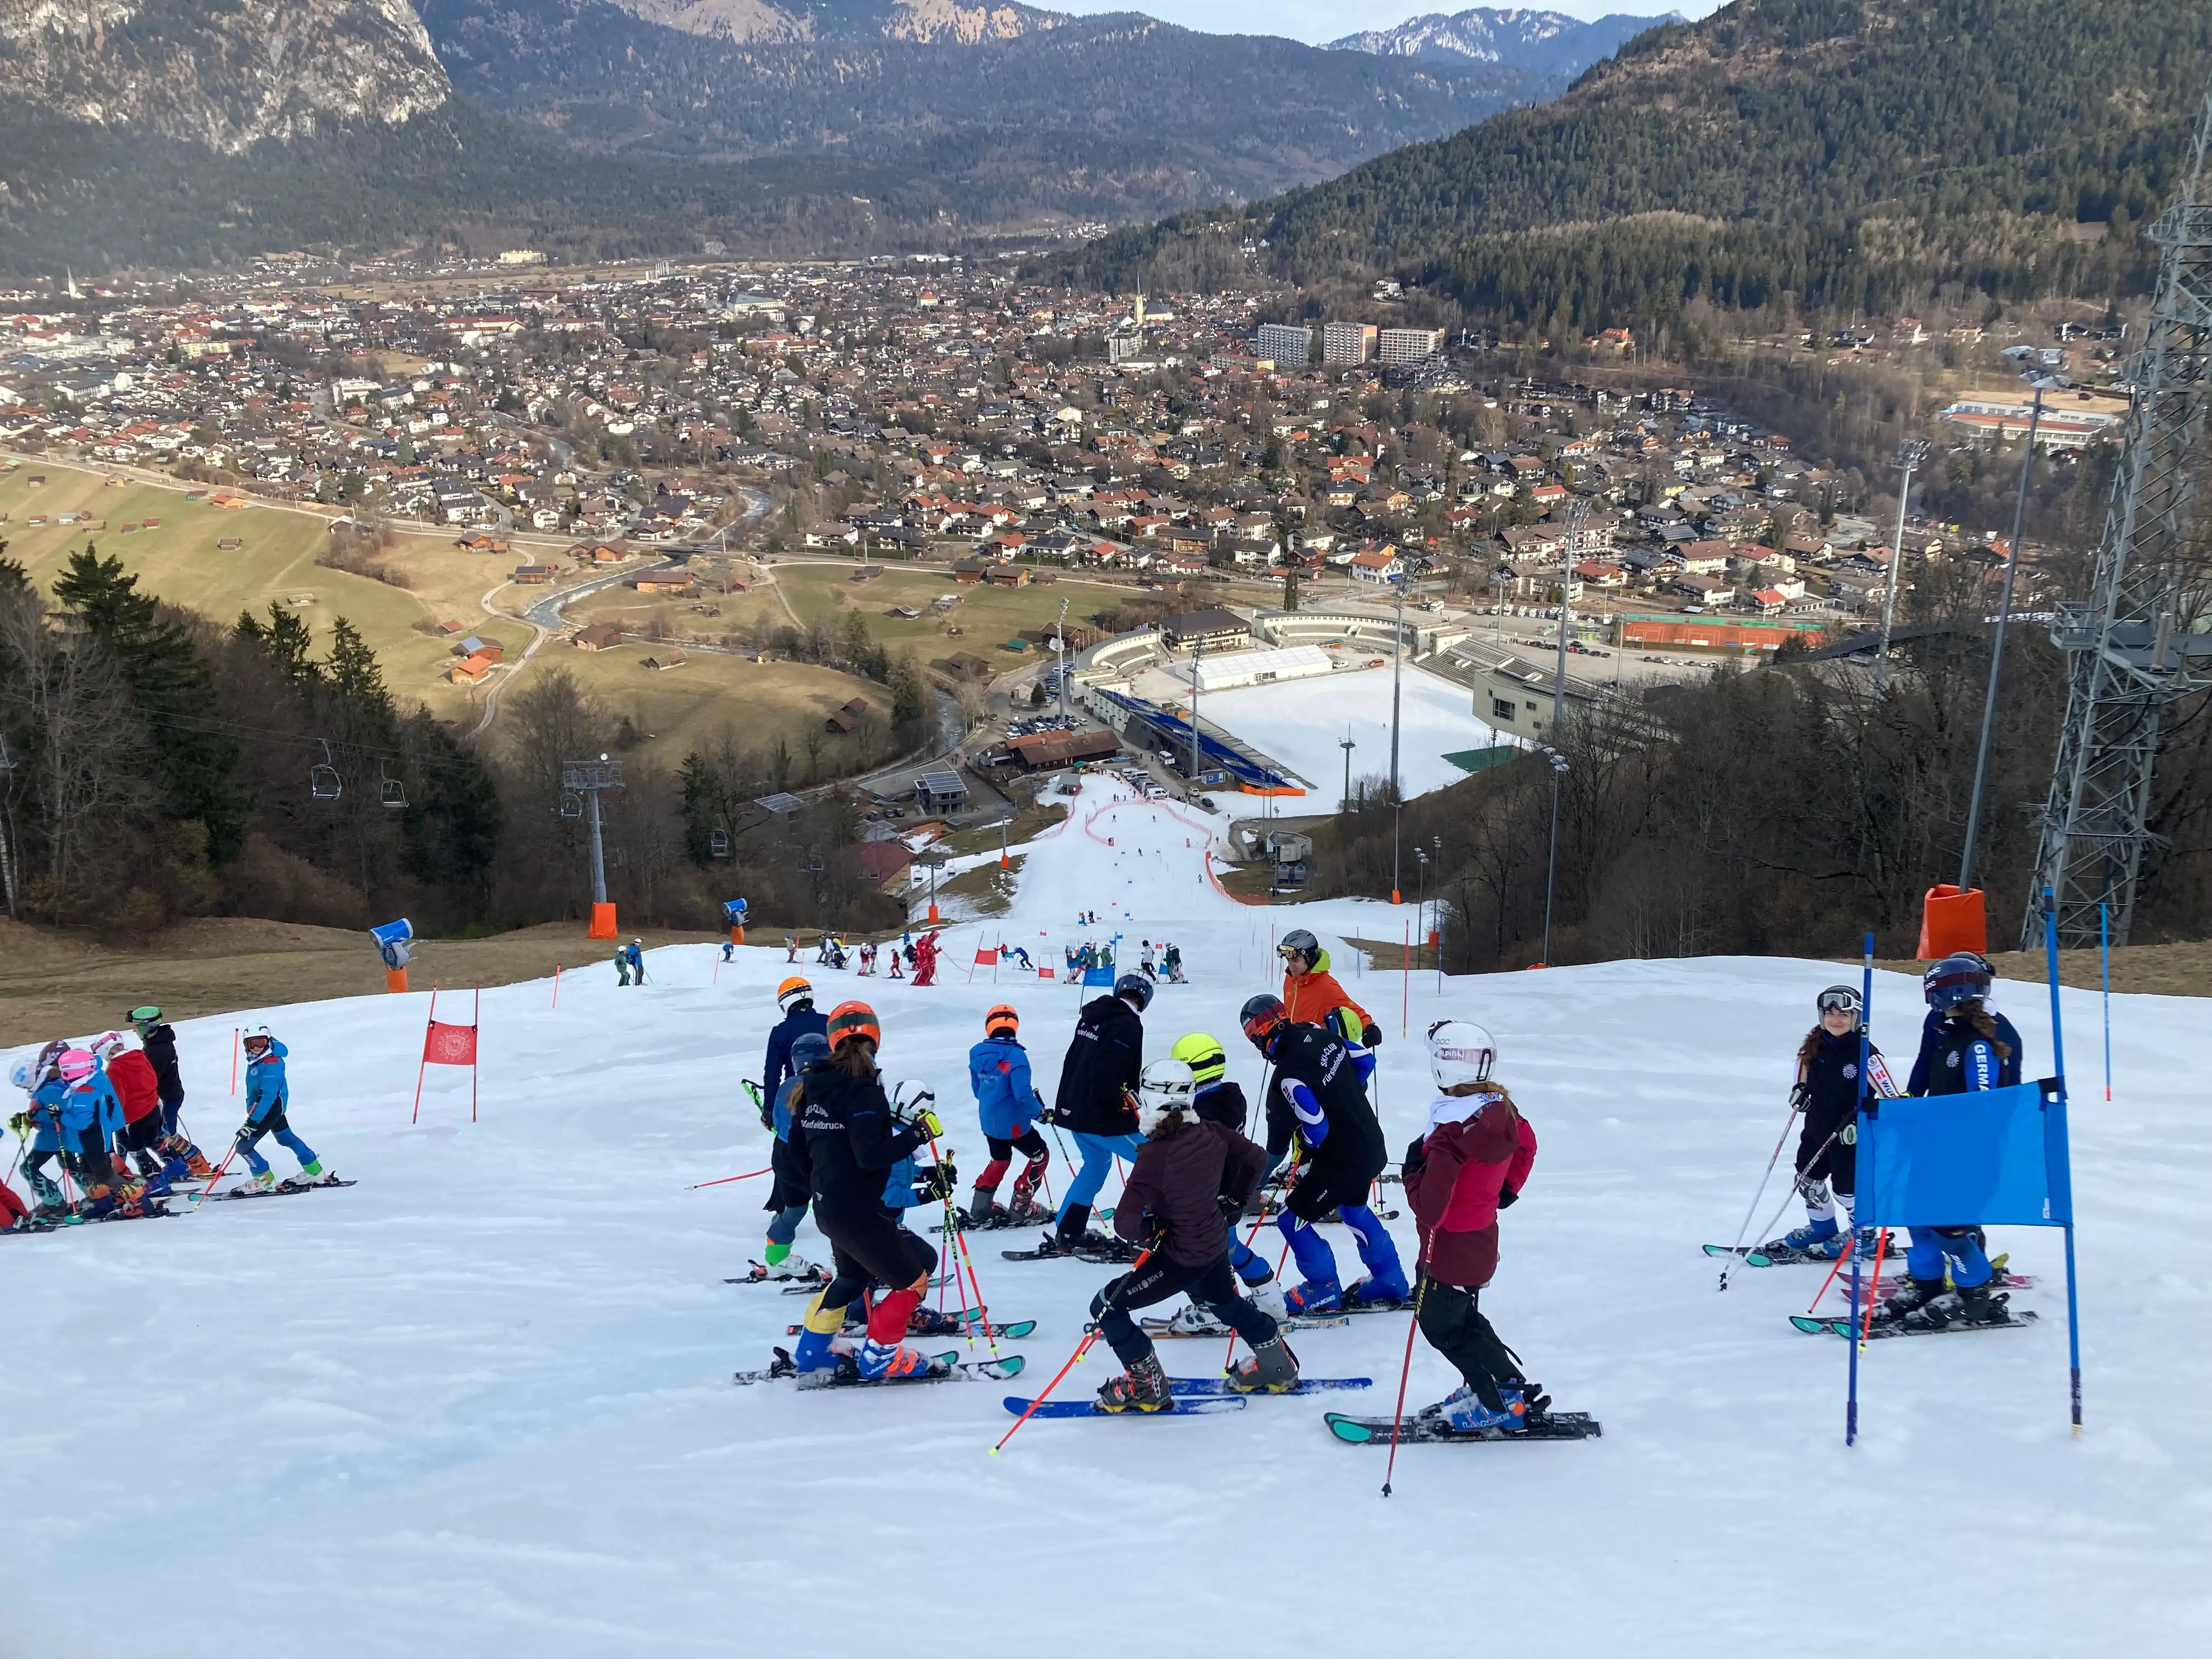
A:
{"points": [[1460, 1051]]}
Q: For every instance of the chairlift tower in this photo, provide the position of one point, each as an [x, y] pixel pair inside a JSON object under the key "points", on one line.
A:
{"points": [[589, 780], [2135, 639]]}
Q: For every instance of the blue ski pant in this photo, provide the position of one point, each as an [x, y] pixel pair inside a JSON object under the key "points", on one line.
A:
{"points": [[249, 1138], [1316, 1261], [1962, 1246], [785, 1227], [1098, 1153]]}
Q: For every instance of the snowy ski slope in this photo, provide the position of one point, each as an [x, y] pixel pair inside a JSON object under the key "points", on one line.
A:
{"points": [[1301, 723], [479, 1405]]}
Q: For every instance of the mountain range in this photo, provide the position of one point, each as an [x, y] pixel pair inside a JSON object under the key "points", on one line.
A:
{"points": [[1549, 42], [179, 132], [1832, 155]]}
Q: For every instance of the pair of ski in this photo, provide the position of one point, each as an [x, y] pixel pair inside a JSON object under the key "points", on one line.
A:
{"points": [[1120, 1256], [954, 1325], [1775, 1254], [1427, 1430], [1188, 1397], [807, 1283], [1845, 1325], [151, 1210], [281, 1189], [947, 1367], [1159, 1328]]}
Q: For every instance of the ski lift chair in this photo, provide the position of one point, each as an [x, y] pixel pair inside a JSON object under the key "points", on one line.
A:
{"points": [[323, 780], [395, 793]]}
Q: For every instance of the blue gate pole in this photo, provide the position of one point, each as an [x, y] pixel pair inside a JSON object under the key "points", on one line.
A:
{"points": [[2105, 952], [1858, 1126], [2059, 1064]]}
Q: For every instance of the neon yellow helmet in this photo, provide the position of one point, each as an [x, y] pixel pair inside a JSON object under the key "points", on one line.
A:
{"points": [[1203, 1055]]}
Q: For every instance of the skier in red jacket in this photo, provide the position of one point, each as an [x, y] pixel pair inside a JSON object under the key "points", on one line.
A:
{"points": [[132, 1075], [1471, 1162]]}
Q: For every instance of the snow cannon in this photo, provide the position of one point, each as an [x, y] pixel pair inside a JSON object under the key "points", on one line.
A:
{"points": [[733, 913], [392, 943]]}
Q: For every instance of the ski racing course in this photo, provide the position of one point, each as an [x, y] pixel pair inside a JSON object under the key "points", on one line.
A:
{"points": [[480, 1403]]}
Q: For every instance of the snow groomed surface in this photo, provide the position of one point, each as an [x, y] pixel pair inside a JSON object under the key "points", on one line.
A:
{"points": [[480, 1403]]}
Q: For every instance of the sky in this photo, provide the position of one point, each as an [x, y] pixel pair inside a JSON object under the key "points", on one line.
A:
{"points": [[1318, 20]]}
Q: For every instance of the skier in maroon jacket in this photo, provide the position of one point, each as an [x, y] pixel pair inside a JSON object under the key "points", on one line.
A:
{"points": [[1190, 1179], [1470, 1162]]}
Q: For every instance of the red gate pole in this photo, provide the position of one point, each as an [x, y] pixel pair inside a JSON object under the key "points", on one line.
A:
{"points": [[476, 1050]]}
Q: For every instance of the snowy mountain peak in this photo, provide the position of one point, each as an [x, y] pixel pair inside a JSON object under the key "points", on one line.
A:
{"points": [[1549, 41]]}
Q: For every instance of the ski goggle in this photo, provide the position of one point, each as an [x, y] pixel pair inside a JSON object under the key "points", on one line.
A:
{"points": [[1838, 1000]]}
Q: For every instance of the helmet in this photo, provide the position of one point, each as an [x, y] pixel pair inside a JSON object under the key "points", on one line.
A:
{"points": [[1165, 1088], [1460, 1051], [1958, 978], [22, 1075], [1299, 943], [849, 1020], [141, 1017], [107, 1045], [1260, 1017], [1839, 999], [811, 1049], [793, 992], [1002, 1018], [259, 1034], [1135, 985], [1202, 1054], [76, 1063]]}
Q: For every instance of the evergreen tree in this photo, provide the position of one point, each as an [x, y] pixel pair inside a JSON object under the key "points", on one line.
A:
{"points": [[454, 821], [171, 688]]}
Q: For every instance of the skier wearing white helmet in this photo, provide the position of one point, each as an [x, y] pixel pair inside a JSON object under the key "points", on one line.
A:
{"points": [[1470, 1162]]}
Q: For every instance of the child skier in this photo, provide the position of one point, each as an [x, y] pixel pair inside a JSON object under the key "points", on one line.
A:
{"points": [[40, 1123], [1171, 963], [1097, 1101], [925, 959], [622, 965], [266, 1097], [1147, 961], [788, 1193], [850, 1142], [1311, 995], [795, 997], [1471, 1161], [131, 1075], [1964, 1048], [1828, 1091], [636, 957], [1218, 1100], [1321, 1082], [1187, 1172], [1006, 1101], [91, 1117]]}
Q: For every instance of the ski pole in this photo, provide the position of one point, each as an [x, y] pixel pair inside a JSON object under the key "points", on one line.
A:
{"points": [[1784, 1205], [726, 1180], [1405, 1370], [1081, 1348], [1780, 1140], [217, 1176], [952, 1250], [1874, 1291]]}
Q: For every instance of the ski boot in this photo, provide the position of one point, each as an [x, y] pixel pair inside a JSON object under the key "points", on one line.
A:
{"points": [[312, 1174], [928, 1321], [1191, 1320], [196, 1163], [147, 1165], [1383, 1289], [1908, 1299], [1803, 1239], [1142, 1387], [1866, 1243], [265, 1180], [1315, 1295], [1834, 1248], [1463, 1411], [1268, 1296], [981, 1206], [1272, 1368], [891, 1361], [791, 1267], [1979, 1304]]}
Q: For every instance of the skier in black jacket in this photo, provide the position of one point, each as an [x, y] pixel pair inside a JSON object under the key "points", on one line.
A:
{"points": [[1097, 1100], [851, 1140], [159, 1040], [1322, 1080], [1829, 1088]]}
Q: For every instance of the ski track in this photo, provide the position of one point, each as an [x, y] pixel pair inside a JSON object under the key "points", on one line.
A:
{"points": [[479, 1404]]}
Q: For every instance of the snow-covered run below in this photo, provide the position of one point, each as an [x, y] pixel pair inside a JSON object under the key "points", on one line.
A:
{"points": [[1301, 723], [480, 1403]]}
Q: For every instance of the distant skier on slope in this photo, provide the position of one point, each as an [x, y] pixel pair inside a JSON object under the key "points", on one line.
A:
{"points": [[266, 1097], [1187, 1173], [925, 961], [1147, 960], [1172, 964], [1097, 1102], [1007, 1103], [1471, 1161], [1321, 1082], [1965, 1048]]}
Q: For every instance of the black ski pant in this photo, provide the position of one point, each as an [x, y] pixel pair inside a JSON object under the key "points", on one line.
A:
{"points": [[868, 1249], [1456, 1329], [1213, 1286]]}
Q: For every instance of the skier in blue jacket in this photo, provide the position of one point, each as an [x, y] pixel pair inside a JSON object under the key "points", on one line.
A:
{"points": [[1966, 1048], [266, 1097], [787, 1196], [40, 1123], [91, 1116], [1006, 1101]]}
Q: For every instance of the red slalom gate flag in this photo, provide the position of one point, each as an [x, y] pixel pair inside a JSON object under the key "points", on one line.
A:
{"points": [[445, 1043]]}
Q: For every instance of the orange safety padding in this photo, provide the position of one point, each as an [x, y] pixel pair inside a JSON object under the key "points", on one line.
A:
{"points": [[603, 921], [395, 979], [1952, 920]]}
